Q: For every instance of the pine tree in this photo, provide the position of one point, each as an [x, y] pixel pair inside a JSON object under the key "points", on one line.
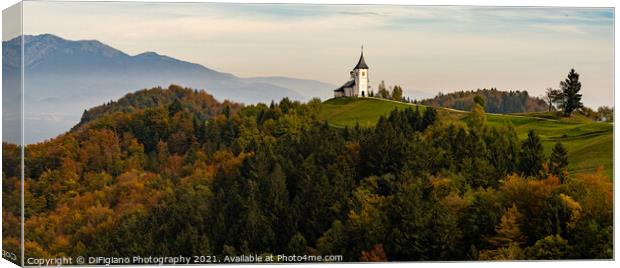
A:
{"points": [[531, 155], [558, 161], [174, 107], [383, 92], [479, 100], [334, 240], [570, 89], [297, 245], [429, 117], [397, 93]]}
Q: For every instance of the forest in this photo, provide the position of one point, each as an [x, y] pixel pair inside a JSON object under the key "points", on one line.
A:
{"points": [[497, 101], [168, 172]]}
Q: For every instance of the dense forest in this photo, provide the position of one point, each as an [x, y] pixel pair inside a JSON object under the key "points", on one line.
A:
{"points": [[168, 172], [495, 101]]}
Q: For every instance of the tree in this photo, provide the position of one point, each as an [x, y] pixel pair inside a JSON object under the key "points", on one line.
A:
{"points": [[175, 107], [558, 161], [477, 117], [508, 237], [605, 113], [382, 91], [479, 100], [531, 155], [552, 247], [334, 240], [226, 111], [376, 254], [297, 245], [397, 93], [570, 91], [553, 96], [429, 117], [508, 231]]}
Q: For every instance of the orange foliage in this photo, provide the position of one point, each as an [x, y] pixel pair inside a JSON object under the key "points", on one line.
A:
{"points": [[376, 254]]}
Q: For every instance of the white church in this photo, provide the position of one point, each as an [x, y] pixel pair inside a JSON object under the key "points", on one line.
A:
{"points": [[357, 86]]}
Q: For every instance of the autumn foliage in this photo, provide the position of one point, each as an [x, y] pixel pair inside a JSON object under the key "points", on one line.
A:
{"points": [[170, 172]]}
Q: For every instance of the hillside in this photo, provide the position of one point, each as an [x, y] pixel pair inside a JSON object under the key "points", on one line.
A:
{"points": [[200, 103], [173, 171], [496, 101], [589, 143]]}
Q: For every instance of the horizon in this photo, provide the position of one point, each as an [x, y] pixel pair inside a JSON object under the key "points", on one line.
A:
{"points": [[424, 49]]}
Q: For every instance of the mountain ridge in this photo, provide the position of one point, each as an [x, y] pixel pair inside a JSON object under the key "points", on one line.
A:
{"points": [[64, 77]]}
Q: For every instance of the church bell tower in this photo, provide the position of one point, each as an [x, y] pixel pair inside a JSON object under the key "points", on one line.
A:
{"points": [[361, 77]]}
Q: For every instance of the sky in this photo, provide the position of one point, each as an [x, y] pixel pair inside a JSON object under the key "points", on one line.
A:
{"points": [[424, 49]]}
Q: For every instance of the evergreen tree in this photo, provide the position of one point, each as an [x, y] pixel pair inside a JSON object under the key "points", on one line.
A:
{"points": [[479, 100], [429, 117], [558, 161], [397, 93], [531, 155], [297, 245], [226, 111], [382, 91], [334, 240], [570, 90], [174, 107]]}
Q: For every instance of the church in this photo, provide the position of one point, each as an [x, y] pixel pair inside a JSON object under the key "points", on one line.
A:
{"points": [[357, 86]]}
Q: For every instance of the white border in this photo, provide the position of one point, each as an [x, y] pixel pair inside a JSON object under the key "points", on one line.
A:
{"points": [[559, 3]]}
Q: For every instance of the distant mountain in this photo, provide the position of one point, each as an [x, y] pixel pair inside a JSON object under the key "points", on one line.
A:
{"points": [[64, 77]]}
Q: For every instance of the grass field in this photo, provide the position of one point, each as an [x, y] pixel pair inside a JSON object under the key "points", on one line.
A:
{"points": [[589, 143]]}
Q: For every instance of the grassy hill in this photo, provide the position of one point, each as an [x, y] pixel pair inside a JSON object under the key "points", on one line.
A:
{"points": [[590, 144]]}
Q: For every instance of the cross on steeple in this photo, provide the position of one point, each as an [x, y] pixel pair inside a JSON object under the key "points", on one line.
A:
{"points": [[361, 64]]}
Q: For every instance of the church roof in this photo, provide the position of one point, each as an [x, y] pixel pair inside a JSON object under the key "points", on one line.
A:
{"points": [[348, 84], [361, 64]]}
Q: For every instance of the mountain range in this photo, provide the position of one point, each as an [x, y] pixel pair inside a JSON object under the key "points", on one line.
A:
{"points": [[65, 77]]}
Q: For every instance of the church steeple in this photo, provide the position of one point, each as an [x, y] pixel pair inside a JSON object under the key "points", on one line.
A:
{"points": [[361, 64], [358, 86]]}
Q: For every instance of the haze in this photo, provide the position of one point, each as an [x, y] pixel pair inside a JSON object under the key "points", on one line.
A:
{"points": [[426, 49]]}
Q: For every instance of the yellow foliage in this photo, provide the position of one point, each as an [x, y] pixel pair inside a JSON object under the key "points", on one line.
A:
{"points": [[597, 193], [575, 209], [32, 249]]}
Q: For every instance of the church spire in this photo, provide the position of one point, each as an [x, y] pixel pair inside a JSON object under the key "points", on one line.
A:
{"points": [[361, 64]]}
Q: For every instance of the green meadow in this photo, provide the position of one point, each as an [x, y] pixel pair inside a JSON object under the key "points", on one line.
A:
{"points": [[589, 143]]}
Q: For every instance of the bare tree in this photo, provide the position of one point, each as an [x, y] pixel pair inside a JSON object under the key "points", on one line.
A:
{"points": [[553, 96]]}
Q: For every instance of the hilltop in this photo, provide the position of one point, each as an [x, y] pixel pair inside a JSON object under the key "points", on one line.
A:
{"points": [[200, 103], [589, 143], [496, 101]]}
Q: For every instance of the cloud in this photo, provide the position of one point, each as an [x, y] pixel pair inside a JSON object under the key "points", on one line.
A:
{"points": [[567, 29], [419, 47]]}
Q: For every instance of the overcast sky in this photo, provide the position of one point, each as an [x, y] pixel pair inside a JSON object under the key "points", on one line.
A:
{"points": [[424, 49]]}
